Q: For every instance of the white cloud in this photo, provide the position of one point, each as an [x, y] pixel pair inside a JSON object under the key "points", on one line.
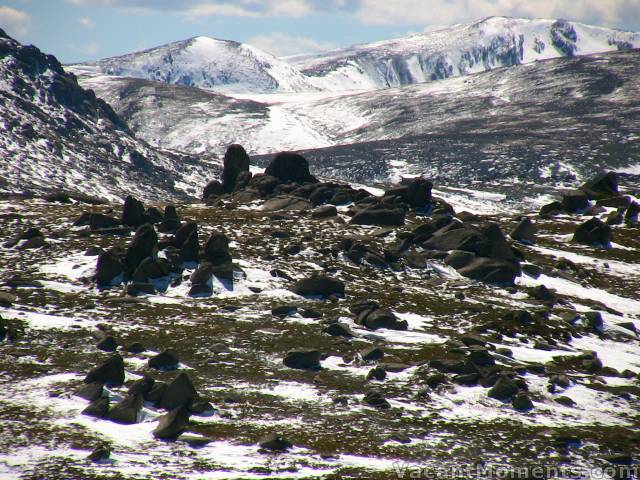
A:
{"points": [[86, 22], [282, 45], [15, 22], [430, 12]]}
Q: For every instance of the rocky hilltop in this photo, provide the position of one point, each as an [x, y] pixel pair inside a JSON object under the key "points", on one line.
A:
{"points": [[286, 326]]}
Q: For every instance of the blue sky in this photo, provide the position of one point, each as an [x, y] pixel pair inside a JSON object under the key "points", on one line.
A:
{"points": [[76, 30]]}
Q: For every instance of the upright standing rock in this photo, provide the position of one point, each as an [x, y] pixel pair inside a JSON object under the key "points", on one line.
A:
{"points": [[133, 213], [236, 161]]}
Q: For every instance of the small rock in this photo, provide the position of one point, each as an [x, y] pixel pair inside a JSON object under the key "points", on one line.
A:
{"points": [[284, 310], [522, 402], [274, 443], [91, 391], [505, 388], [338, 329], [377, 373], [372, 354], [375, 399], [100, 454], [98, 408], [320, 285], [180, 392]]}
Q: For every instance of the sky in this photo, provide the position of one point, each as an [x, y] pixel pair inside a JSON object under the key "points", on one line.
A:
{"points": [[82, 30]]}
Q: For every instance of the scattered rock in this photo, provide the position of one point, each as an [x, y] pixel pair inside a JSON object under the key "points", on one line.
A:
{"points": [[379, 214], [133, 212], [97, 408], [604, 185], [100, 454], [302, 359], [126, 410], [504, 389], [166, 360], [274, 443], [593, 232], [284, 310], [172, 424], [574, 201], [550, 209], [91, 391], [524, 231], [110, 372], [372, 354], [319, 285], [108, 344], [377, 373], [338, 329], [522, 402], [325, 211], [377, 400], [179, 393]]}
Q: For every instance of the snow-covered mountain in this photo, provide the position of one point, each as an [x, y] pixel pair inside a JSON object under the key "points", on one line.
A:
{"points": [[457, 50], [203, 62], [57, 136]]}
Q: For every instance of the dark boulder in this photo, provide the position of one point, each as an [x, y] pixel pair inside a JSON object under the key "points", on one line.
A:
{"points": [[522, 402], [632, 212], [550, 209], [144, 244], [459, 258], [325, 211], [338, 329], [593, 232], [524, 231], [90, 391], [100, 454], [376, 318], [126, 411], [379, 214], [172, 424], [574, 201], [108, 269], [302, 359], [183, 233], [133, 212], [274, 443], [190, 249], [166, 360], [377, 373], [107, 344], [235, 162], [419, 192], [179, 393], [111, 372], [98, 408], [504, 388], [98, 221], [216, 249], [170, 222], [603, 185], [213, 189], [319, 285], [290, 167], [286, 203], [376, 400], [372, 354], [489, 270], [142, 387]]}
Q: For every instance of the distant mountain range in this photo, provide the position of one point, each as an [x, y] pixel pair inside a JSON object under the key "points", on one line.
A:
{"points": [[231, 67]]}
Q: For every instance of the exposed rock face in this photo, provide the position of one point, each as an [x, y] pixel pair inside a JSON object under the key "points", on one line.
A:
{"points": [[236, 161], [290, 167]]}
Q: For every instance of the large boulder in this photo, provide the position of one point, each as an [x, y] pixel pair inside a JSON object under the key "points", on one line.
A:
{"points": [[302, 359], [108, 269], [419, 192], [236, 161], [290, 167], [574, 201], [593, 232], [213, 189], [216, 249], [286, 202], [126, 411], [179, 393], [133, 212], [486, 241], [490, 270], [111, 372], [144, 244], [320, 285], [524, 231], [170, 220], [603, 185], [172, 424], [379, 214], [380, 318]]}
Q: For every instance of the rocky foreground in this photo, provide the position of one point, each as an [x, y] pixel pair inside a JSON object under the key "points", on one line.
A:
{"points": [[292, 328]]}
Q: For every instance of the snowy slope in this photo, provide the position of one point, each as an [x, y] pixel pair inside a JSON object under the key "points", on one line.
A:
{"points": [[56, 136], [457, 50], [219, 65]]}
